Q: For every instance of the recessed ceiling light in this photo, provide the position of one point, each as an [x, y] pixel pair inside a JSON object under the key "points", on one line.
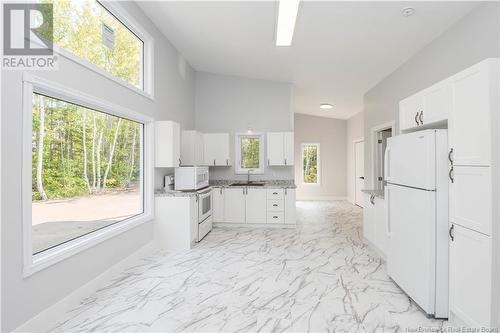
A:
{"points": [[287, 15], [408, 11], [325, 106]]}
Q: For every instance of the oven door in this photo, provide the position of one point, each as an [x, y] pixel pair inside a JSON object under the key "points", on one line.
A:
{"points": [[204, 205]]}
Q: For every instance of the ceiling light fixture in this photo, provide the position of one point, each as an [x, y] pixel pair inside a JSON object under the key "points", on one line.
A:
{"points": [[325, 106], [408, 11], [287, 16]]}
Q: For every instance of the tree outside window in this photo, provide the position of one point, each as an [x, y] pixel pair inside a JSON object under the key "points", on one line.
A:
{"points": [[310, 163], [249, 153]]}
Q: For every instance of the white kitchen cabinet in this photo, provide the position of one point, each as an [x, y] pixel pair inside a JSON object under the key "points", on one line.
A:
{"points": [[218, 204], [474, 100], [470, 277], [289, 148], [216, 151], [409, 110], [427, 107], [176, 222], [192, 148], [255, 199], [471, 198], [167, 144], [290, 206], [369, 218], [234, 205], [374, 223], [280, 149]]}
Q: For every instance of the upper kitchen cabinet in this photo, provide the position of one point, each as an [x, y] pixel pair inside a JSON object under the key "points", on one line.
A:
{"points": [[425, 108], [167, 144], [216, 149], [192, 148], [280, 149], [474, 94]]}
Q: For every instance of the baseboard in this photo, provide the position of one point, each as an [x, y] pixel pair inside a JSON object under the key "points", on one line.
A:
{"points": [[321, 198], [42, 321], [374, 248]]}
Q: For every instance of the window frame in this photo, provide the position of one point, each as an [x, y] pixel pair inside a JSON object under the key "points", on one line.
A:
{"points": [[34, 263], [147, 56], [237, 144], [318, 161]]}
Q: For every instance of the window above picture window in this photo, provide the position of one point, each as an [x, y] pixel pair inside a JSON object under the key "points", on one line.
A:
{"points": [[249, 153], [104, 38]]}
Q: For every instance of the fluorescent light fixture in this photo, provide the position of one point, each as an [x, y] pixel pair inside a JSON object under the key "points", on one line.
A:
{"points": [[286, 21], [325, 106]]}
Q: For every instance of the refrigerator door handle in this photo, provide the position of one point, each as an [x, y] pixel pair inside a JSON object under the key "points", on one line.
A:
{"points": [[388, 211], [450, 232], [450, 175], [387, 170]]}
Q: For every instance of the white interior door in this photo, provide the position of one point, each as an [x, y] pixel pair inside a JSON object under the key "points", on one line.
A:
{"points": [[359, 172]]}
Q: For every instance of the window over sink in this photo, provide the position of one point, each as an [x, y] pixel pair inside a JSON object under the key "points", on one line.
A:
{"points": [[249, 153]]}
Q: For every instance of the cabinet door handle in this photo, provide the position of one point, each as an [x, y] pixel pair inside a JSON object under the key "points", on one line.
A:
{"points": [[285, 190], [275, 193], [220, 191], [450, 175], [214, 161], [416, 118], [372, 199], [450, 232], [275, 205], [227, 162], [275, 217], [243, 191], [268, 162], [421, 117], [449, 156]]}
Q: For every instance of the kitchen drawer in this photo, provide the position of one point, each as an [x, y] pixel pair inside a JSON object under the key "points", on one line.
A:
{"points": [[275, 205], [275, 194], [275, 217]]}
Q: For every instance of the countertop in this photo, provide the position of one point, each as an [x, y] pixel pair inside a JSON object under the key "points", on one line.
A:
{"points": [[225, 183], [376, 193], [268, 183]]}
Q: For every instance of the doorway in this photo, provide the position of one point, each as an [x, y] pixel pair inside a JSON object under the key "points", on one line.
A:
{"points": [[359, 172]]}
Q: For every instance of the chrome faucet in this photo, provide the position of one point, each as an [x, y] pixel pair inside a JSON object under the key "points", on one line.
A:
{"points": [[248, 179]]}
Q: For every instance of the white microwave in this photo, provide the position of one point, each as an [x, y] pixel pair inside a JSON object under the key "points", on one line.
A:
{"points": [[191, 178]]}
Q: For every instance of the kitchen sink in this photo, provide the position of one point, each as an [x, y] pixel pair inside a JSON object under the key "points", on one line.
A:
{"points": [[248, 184]]}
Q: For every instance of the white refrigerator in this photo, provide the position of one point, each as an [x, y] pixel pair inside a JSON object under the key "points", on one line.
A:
{"points": [[416, 193]]}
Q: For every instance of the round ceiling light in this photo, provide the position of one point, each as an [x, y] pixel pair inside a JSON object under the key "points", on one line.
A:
{"points": [[408, 11], [325, 106]]}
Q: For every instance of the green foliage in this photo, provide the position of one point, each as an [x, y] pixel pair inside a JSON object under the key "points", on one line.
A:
{"points": [[78, 29], [310, 163], [64, 151], [250, 152]]}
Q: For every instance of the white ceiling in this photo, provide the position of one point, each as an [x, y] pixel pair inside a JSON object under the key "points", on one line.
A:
{"points": [[340, 49]]}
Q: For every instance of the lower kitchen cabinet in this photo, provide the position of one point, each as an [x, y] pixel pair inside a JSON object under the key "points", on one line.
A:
{"points": [[234, 205], [255, 211], [290, 206], [218, 204], [470, 277], [374, 222]]}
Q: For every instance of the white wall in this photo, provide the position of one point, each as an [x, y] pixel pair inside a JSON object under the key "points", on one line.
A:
{"points": [[472, 39], [22, 298], [355, 131], [331, 135], [234, 104]]}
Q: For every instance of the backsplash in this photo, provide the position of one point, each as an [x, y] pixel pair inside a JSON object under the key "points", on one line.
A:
{"points": [[270, 173]]}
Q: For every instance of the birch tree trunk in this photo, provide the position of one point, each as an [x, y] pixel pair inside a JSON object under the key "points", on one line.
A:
{"points": [[98, 153], [41, 138], [93, 153], [84, 142], [132, 158], [111, 153]]}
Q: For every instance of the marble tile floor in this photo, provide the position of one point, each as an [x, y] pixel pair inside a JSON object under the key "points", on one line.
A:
{"points": [[319, 277]]}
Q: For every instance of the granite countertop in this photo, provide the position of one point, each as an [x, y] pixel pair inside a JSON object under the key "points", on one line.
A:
{"points": [[173, 193], [268, 183], [376, 193]]}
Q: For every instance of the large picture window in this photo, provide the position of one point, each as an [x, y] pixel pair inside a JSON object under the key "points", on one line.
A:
{"points": [[86, 171], [310, 163], [89, 31]]}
